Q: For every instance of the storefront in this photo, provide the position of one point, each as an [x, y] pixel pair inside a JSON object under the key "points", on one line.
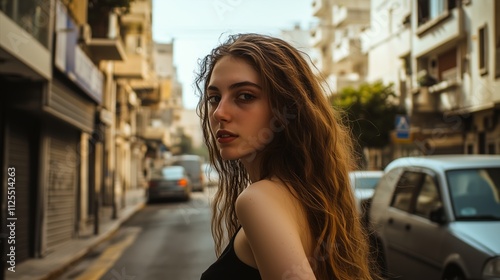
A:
{"points": [[21, 138]]}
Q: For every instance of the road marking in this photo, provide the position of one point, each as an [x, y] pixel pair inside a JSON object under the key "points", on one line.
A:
{"points": [[109, 257]]}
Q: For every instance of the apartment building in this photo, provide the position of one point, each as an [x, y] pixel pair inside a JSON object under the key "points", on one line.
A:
{"points": [[336, 42], [443, 58], [77, 82], [25, 75]]}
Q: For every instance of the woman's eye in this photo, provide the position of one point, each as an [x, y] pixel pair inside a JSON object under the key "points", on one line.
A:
{"points": [[246, 97], [213, 99]]}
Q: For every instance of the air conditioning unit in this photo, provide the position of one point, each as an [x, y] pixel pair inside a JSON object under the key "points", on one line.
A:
{"points": [[85, 33]]}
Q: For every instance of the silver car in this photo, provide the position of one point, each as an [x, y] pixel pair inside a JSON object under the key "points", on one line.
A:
{"points": [[192, 164], [438, 217], [169, 182]]}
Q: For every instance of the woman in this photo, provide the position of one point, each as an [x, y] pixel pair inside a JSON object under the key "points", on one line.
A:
{"points": [[284, 200]]}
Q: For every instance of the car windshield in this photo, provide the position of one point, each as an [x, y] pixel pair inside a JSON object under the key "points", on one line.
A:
{"points": [[366, 182], [171, 172], [475, 193]]}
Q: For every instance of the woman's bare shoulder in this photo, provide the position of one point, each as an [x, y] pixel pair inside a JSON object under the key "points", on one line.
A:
{"points": [[269, 194]]}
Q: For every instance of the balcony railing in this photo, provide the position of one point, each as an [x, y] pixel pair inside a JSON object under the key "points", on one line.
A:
{"points": [[440, 95], [133, 67]]}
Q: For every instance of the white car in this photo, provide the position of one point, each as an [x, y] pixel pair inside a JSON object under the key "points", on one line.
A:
{"points": [[438, 217], [363, 182]]}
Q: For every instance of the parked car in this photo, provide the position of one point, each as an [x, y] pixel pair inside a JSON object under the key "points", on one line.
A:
{"points": [[169, 182], [438, 217], [192, 164], [211, 177], [363, 182]]}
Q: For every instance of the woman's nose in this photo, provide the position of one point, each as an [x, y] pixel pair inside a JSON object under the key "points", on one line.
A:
{"points": [[222, 111]]}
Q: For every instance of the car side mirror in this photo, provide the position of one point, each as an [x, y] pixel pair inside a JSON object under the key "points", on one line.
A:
{"points": [[437, 215]]}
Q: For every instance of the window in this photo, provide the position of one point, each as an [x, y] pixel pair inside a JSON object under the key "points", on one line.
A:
{"points": [[432, 9], [428, 198], [405, 189], [483, 50]]}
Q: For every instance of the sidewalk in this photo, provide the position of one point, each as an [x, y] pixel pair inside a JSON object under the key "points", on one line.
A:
{"points": [[53, 265]]}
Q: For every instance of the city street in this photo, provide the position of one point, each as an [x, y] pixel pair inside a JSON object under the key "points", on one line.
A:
{"points": [[166, 240]]}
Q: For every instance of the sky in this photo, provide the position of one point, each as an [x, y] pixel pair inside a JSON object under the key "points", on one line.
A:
{"points": [[197, 26]]}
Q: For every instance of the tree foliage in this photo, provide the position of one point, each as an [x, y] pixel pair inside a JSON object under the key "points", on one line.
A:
{"points": [[186, 144], [369, 111]]}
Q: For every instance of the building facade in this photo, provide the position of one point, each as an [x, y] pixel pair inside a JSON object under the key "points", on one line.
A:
{"points": [[76, 81], [443, 57], [336, 42]]}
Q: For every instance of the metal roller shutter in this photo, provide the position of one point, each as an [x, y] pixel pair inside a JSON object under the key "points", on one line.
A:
{"points": [[61, 205], [20, 156]]}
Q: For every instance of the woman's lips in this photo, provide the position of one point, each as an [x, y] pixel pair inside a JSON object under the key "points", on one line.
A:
{"points": [[224, 136], [225, 139]]}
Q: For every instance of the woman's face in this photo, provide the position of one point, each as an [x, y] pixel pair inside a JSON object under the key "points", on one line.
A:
{"points": [[239, 110]]}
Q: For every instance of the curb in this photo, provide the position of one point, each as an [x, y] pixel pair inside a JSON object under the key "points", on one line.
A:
{"points": [[108, 234], [53, 267]]}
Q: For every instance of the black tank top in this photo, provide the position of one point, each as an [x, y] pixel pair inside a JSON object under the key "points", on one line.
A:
{"points": [[230, 267]]}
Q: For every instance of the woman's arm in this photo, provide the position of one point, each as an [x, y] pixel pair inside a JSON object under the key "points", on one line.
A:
{"points": [[269, 216]]}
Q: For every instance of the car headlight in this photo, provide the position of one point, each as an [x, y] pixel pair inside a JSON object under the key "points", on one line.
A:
{"points": [[492, 268]]}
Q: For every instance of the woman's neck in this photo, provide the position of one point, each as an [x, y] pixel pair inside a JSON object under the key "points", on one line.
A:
{"points": [[252, 166]]}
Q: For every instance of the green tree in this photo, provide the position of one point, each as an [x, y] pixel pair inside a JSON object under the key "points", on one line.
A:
{"points": [[369, 111], [186, 144]]}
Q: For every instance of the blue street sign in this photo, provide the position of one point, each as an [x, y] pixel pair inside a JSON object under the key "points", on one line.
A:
{"points": [[402, 127]]}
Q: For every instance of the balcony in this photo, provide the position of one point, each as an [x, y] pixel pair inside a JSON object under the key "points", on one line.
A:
{"points": [[319, 36], [154, 133], [438, 95], [134, 66], [133, 19], [106, 49], [343, 15], [442, 31], [319, 7], [346, 48], [139, 12], [148, 91], [21, 54], [106, 42]]}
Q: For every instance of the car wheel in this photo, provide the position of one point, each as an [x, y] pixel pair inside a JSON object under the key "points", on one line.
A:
{"points": [[454, 274]]}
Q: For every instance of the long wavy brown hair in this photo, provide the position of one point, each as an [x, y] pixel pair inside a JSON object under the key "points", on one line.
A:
{"points": [[310, 153]]}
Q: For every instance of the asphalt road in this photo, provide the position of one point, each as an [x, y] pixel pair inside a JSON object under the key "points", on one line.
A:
{"points": [[167, 240]]}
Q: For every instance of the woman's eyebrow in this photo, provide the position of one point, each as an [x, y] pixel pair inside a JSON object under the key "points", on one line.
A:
{"points": [[236, 85], [245, 83]]}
